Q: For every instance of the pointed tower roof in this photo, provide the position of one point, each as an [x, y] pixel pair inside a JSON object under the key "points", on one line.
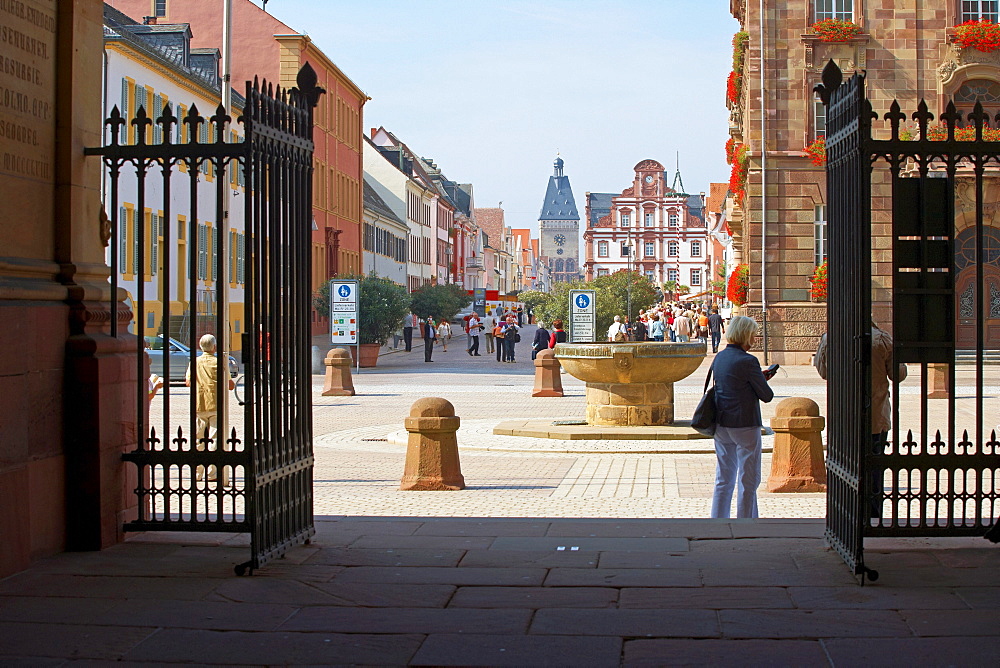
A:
{"points": [[559, 203]]}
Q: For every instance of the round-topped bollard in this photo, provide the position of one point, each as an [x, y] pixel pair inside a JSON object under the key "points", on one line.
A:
{"points": [[432, 447], [797, 459], [339, 382], [548, 378], [630, 383]]}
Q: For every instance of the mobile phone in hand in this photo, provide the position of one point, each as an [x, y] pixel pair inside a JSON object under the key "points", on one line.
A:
{"points": [[770, 371]]}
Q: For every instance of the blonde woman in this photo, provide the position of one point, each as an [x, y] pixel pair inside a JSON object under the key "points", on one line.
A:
{"points": [[740, 386]]}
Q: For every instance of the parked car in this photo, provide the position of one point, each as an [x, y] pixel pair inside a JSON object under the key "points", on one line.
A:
{"points": [[179, 356]]}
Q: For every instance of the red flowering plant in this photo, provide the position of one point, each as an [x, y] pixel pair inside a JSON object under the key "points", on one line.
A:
{"points": [[733, 87], [817, 151], [979, 35], [731, 145], [818, 282], [738, 291], [940, 133], [835, 30], [738, 174]]}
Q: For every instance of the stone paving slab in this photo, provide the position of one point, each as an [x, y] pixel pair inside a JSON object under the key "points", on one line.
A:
{"points": [[518, 557], [588, 544], [708, 598], [812, 624], [534, 597], [497, 650], [409, 620], [676, 652], [909, 652], [674, 623]]}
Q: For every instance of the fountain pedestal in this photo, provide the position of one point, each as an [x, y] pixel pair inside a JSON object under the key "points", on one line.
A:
{"points": [[630, 404]]}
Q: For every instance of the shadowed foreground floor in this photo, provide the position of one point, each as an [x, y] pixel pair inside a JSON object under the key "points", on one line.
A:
{"points": [[459, 591]]}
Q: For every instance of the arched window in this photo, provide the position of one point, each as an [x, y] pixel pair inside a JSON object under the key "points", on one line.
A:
{"points": [[560, 265], [570, 264], [976, 90], [602, 249]]}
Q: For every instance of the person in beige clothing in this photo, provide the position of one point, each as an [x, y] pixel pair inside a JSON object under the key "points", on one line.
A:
{"points": [[882, 375], [207, 406]]}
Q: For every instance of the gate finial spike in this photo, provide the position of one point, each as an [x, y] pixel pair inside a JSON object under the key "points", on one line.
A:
{"points": [[979, 119], [922, 116], [832, 78], [895, 116]]}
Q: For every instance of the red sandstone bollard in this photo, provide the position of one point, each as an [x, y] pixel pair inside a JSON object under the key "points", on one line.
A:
{"points": [[432, 449], [339, 382], [548, 381], [797, 460]]}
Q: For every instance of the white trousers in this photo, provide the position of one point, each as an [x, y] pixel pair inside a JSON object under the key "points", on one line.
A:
{"points": [[737, 452]]}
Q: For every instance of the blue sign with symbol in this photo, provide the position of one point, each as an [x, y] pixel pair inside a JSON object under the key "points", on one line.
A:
{"points": [[344, 291], [582, 301]]}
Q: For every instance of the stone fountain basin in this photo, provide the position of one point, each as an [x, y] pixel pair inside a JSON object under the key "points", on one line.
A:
{"points": [[630, 362]]}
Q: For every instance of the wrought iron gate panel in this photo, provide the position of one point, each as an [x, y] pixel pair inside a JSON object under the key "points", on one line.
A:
{"points": [[278, 411], [849, 310], [939, 472], [264, 478]]}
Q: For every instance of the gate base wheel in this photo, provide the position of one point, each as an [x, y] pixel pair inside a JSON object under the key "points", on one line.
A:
{"points": [[242, 569], [869, 573]]}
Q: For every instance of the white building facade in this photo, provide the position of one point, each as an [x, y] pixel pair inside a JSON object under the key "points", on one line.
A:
{"points": [[650, 228], [149, 67]]}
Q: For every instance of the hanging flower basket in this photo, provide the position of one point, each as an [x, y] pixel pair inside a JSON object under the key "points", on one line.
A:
{"points": [[738, 174], [733, 86], [818, 282], [834, 30], [817, 151], [979, 35], [738, 291]]}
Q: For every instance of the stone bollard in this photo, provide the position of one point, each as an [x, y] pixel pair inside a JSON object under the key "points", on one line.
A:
{"points": [[432, 449], [797, 460], [938, 374], [339, 382], [548, 381]]}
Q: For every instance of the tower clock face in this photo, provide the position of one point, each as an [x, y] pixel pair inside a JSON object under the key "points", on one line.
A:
{"points": [[560, 239], [649, 178]]}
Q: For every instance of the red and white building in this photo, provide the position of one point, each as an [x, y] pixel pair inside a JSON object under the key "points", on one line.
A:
{"points": [[650, 227]]}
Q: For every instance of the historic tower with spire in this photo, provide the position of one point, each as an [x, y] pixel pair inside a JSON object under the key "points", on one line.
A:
{"points": [[559, 228]]}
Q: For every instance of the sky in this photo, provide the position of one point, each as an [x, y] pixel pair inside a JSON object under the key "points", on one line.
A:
{"points": [[492, 91]]}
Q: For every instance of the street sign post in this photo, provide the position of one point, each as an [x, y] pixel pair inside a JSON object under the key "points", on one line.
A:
{"points": [[582, 316], [344, 314], [479, 301]]}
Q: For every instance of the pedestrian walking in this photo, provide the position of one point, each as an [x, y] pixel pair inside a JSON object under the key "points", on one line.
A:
{"points": [[488, 330], [669, 326], [511, 336], [207, 402], [882, 374], [409, 322], [617, 332], [703, 326], [444, 333], [656, 328], [430, 334], [639, 331], [740, 386], [501, 349], [475, 327], [682, 327], [541, 341], [716, 327]]}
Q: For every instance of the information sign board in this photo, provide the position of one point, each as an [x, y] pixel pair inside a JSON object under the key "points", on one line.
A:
{"points": [[344, 311], [479, 301], [582, 316]]}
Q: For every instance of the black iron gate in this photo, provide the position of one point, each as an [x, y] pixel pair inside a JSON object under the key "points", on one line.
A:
{"points": [[938, 473], [189, 174]]}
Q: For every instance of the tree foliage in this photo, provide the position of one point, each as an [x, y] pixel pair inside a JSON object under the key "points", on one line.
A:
{"points": [[440, 302], [381, 305]]}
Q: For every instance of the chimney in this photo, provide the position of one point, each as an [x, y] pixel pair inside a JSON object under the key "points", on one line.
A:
{"points": [[373, 131], [149, 20]]}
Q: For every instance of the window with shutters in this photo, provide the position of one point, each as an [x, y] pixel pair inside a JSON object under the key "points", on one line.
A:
{"points": [[124, 136], [141, 102], [155, 112], [154, 243], [123, 216], [215, 255], [135, 242], [202, 253]]}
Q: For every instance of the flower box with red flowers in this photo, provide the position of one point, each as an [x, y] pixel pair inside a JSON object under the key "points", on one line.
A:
{"points": [[979, 35], [835, 30]]}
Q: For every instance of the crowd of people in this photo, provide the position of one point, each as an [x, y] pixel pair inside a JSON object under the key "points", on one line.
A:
{"points": [[674, 321]]}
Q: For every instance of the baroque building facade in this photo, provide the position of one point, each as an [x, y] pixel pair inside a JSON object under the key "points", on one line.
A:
{"points": [[909, 53], [651, 228], [559, 228]]}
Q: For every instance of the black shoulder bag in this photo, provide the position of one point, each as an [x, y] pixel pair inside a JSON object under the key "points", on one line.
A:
{"points": [[704, 419]]}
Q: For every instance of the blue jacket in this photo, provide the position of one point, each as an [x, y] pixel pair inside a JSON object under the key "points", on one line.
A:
{"points": [[739, 388]]}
